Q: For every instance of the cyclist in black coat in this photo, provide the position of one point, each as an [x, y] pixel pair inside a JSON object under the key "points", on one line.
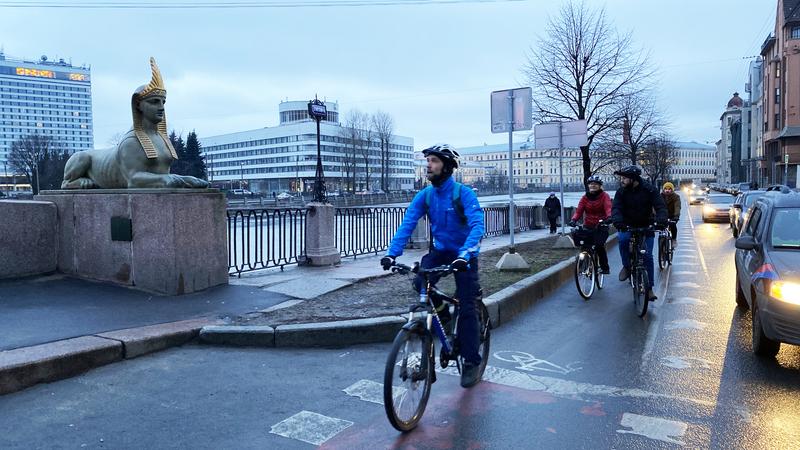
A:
{"points": [[637, 204]]}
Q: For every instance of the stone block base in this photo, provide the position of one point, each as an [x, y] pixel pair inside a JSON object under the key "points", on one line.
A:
{"points": [[166, 241], [27, 238]]}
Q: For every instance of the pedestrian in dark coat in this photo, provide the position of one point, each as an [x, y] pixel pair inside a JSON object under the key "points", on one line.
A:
{"points": [[553, 208]]}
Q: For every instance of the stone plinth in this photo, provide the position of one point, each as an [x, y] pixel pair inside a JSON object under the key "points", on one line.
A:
{"points": [[320, 235], [167, 241], [27, 238], [419, 238]]}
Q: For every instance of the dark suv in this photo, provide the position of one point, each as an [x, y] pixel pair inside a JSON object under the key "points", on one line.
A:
{"points": [[768, 270], [739, 209]]}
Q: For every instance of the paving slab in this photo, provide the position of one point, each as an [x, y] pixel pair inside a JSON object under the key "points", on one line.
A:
{"points": [[306, 289]]}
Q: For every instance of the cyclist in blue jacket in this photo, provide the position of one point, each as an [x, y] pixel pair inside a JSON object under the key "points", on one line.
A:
{"points": [[456, 231]]}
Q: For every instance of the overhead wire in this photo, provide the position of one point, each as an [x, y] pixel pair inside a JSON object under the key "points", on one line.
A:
{"points": [[232, 4]]}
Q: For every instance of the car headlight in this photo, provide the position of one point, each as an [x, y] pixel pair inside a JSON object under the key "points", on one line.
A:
{"points": [[785, 292], [708, 210]]}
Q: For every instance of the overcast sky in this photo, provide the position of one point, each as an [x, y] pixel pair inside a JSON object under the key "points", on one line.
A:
{"points": [[430, 66]]}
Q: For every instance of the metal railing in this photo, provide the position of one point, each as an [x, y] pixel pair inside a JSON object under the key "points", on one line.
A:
{"points": [[267, 238], [363, 231], [264, 238]]}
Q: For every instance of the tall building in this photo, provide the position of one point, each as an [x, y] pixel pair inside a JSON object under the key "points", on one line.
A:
{"points": [[50, 98], [781, 97], [755, 132], [694, 161], [284, 157], [735, 141]]}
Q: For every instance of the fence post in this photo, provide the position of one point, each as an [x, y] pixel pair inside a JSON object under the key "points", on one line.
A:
{"points": [[419, 238], [321, 235], [539, 221]]}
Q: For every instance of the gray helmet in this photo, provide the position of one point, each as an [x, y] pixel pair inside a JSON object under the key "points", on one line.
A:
{"points": [[594, 179]]}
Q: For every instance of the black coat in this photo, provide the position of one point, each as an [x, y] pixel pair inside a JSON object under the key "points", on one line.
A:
{"points": [[553, 207], [638, 206]]}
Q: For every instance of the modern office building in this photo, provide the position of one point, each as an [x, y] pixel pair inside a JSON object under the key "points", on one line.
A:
{"points": [[50, 98], [284, 157]]}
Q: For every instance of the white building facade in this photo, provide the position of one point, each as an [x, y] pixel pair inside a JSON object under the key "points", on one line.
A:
{"points": [[49, 98], [695, 161], [284, 157]]}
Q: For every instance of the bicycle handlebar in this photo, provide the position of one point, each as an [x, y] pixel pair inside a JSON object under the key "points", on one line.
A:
{"points": [[404, 269]]}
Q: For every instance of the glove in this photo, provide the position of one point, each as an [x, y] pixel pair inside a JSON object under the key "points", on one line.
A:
{"points": [[459, 265], [620, 226], [572, 223], [387, 262]]}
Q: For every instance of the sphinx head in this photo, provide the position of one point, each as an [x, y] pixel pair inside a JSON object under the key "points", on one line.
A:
{"points": [[147, 104]]}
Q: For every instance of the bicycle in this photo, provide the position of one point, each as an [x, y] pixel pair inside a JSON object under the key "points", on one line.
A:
{"points": [[665, 250], [639, 279], [410, 366], [588, 274]]}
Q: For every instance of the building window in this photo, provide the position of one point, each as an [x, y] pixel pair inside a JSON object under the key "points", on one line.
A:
{"points": [[796, 32], [777, 121], [777, 96]]}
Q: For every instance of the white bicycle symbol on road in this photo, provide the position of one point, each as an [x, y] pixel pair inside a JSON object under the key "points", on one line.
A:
{"points": [[530, 363]]}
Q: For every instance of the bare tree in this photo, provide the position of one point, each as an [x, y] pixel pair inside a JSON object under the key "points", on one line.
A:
{"points": [[364, 145], [28, 153], [350, 135], [383, 124], [657, 157], [582, 69], [115, 139]]}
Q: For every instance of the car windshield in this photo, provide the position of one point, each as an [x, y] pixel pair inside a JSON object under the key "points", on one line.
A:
{"points": [[785, 232], [749, 199], [719, 200]]}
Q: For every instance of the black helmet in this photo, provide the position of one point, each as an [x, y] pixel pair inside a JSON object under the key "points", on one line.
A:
{"points": [[594, 179], [632, 172], [447, 154]]}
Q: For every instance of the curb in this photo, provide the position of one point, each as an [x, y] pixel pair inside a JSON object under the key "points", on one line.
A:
{"points": [[503, 306], [26, 366]]}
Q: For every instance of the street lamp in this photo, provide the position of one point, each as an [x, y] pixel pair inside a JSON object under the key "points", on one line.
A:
{"points": [[318, 111]]}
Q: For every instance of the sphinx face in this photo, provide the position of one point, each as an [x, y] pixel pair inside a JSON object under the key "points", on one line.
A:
{"points": [[152, 108]]}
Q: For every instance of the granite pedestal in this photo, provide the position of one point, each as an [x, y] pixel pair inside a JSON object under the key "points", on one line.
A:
{"points": [[166, 241]]}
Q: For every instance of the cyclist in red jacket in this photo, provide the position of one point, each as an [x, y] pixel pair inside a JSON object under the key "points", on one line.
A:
{"points": [[595, 206]]}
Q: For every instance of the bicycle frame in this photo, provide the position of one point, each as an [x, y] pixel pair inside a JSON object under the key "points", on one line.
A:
{"points": [[426, 308]]}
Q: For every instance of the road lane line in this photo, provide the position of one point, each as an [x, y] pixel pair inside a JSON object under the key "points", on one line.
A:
{"points": [[367, 390], [654, 428], [697, 244]]}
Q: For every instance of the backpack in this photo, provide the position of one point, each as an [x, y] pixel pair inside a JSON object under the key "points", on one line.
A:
{"points": [[457, 205]]}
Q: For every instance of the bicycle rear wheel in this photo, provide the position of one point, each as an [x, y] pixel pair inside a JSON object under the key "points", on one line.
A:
{"points": [[639, 291], [600, 277], [485, 329], [407, 378], [585, 274]]}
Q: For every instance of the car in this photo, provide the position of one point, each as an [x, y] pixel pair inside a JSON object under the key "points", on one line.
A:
{"points": [[716, 207], [241, 192], [767, 278], [283, 196], [696, 197], [739, 209]]}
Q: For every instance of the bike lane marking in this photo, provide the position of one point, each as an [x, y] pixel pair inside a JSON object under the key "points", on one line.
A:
{"points": [[654, 428], [310, 427]]}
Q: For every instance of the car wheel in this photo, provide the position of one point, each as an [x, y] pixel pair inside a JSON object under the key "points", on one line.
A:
{"points": [[762, 345], [741, 301]]}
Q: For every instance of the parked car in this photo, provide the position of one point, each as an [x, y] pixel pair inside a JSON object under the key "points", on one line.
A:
{"points": [[283, 196], [716, 207], [241, 192], [768, 270], [738, 211]]}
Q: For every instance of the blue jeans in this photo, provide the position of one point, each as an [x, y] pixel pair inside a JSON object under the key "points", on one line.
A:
{"points": [[466, 291], [625, 253]]}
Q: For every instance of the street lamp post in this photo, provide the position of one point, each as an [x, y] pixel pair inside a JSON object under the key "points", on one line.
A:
{"points": [[318, 111], [241, 180]]}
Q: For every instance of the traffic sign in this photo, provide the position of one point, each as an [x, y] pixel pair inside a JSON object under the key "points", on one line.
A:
{"points": [[521, 110]]}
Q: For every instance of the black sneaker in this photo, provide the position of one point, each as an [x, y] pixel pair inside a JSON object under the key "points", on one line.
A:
{"points": [[624, 274], [470, 375], [651, 296], [605, 270]]}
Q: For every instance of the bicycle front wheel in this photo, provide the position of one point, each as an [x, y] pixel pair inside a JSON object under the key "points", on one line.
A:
{"points": [[407, 378], [584, 275], [640, 291], [663, 254]]}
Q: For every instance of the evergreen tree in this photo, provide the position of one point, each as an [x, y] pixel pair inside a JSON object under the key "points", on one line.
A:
{"points": [[179, 166], [194, 157]]}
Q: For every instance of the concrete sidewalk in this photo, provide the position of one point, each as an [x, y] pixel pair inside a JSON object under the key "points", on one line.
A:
{"points": [[54, 327]]}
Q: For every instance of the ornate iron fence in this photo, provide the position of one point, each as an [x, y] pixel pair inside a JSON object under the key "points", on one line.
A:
{"points": [[264, 238], [363, 231]]}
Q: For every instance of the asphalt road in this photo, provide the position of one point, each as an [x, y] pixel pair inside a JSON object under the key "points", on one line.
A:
{"points": [[565, 374]]}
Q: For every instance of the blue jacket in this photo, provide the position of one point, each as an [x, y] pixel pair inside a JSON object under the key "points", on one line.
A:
{"points": [[448, 232]]}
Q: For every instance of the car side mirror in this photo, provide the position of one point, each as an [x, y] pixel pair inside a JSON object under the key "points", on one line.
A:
{"points": [[746, 243], [737, 206]]}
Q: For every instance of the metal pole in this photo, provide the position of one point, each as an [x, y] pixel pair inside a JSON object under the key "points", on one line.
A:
{"points": [[785, 168], [511, 219], [561, 176]]}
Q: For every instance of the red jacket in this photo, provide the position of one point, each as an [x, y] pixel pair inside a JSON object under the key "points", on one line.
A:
{"points": [[595, 209]]}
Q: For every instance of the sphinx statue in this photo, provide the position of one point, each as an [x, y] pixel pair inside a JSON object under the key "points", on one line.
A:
{"points": [[143, 156]]}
